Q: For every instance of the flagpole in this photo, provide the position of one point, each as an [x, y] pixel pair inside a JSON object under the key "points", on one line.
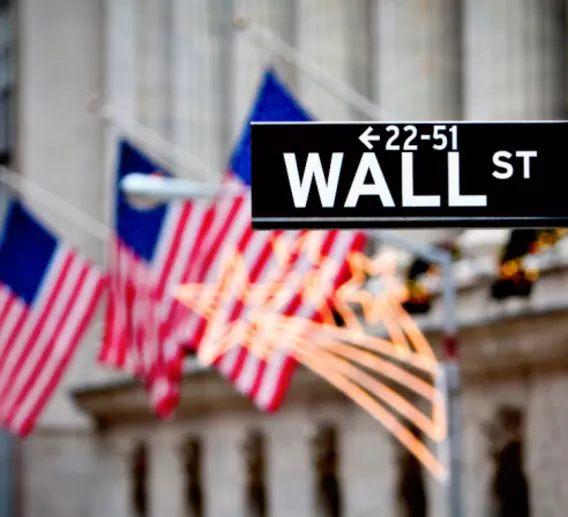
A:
{"points": [[58, 205], [264, 38], [134, 130], [154, 142]]}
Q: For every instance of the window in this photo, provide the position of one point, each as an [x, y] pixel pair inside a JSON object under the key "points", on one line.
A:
{"points": [[510, 487], [140, 481], [193, 478], [326, 461], [7, 444], [411, 488], [7, 77], [256, 498], [189, 353]]}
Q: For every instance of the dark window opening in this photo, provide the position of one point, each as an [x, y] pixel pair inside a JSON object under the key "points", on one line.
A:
{"points": [[193, 478], [255, 459], [189, 353], [328, 484], [510, 486], [411, 486], [7, 81], [140, 481]]}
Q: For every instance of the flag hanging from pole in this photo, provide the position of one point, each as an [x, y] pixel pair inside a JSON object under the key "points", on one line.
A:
{"points": [[265, 382], [48, 296], [159, 247], [155, 247]]}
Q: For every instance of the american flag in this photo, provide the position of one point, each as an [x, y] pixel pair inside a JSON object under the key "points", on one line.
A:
{"points": [[192, 236], [265, 382], [155, 248], [48, 296]]}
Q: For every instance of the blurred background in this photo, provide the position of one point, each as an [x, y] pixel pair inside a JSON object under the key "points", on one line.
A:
{"points": [[182, 74]]}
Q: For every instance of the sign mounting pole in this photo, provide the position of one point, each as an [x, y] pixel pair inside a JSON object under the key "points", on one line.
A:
{"points": [[453, 452]]}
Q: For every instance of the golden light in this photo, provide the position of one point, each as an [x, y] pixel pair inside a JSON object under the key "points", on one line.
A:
{"points": [[510, 268], [347, 357]]}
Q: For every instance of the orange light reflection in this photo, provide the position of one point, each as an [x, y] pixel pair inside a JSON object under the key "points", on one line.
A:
{"points": [[347, 357]]}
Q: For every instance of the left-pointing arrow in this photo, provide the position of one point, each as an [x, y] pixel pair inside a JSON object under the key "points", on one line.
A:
{"points": [[367, 137]]}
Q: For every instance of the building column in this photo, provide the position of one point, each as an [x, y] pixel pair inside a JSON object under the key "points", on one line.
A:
{"points": [[333, 34], [290, 474], [417, 59], [223, 462], [417, 68], [121, 71], [514, 59], [367, 465], [121, 85], [154, 60], [59, 148], [200, 82], [114, 477], [166, 477], [250, 60]]}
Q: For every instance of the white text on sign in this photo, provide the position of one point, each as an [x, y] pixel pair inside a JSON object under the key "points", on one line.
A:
{"points": [[326, 185], [501, 160]]}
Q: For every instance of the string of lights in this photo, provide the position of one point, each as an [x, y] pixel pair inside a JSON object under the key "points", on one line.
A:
{"points": [[365, 368], [418, 296], [514, 277]]}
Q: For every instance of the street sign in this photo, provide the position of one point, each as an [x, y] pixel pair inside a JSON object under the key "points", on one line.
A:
{"points": [[409, 175]]}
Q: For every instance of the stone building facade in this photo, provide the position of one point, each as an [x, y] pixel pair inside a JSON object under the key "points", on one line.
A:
{"points": [[512, 357], [179, 68]]}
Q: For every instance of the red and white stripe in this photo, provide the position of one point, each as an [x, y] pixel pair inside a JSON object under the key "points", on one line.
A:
{"points": [[142, 314], [147, 328], [37, 343], [263, 382]]}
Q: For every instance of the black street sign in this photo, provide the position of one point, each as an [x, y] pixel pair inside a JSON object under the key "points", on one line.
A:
{"points": [[409, 175]]}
